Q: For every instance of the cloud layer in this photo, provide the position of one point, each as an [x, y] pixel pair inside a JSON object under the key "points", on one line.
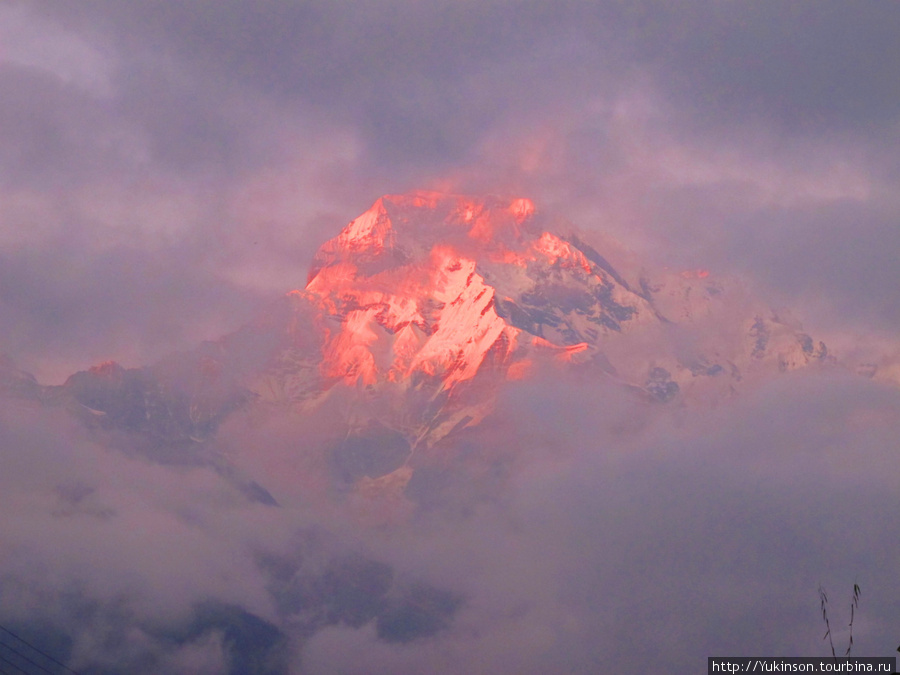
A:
{"points": [[166, 168], [219, 143], [623, 535]]}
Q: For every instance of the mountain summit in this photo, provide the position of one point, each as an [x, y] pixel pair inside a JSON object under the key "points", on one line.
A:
{"points": [[438, 286], [412, 320]]}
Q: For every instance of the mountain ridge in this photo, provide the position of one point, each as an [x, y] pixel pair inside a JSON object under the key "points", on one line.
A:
{"points": [[414, 316]]}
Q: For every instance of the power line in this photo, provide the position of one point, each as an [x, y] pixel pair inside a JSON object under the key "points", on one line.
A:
{"points": [[13, 665], [44, 654], [22, 656]]}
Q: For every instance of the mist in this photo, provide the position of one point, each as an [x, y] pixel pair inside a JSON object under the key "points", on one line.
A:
{"points": [[168, 169]]}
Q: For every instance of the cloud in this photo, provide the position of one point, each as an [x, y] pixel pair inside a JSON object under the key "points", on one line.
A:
{"points": [[166, 168], [614, 531], [701, 533], [66, 56], [247, 135]]}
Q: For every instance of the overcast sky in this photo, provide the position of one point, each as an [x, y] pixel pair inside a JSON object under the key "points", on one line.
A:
{"points": [[166, 167]]}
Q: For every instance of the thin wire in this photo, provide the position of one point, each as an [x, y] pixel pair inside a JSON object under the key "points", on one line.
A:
{"points": [[21, 655], [13, 665], [44, 654]]}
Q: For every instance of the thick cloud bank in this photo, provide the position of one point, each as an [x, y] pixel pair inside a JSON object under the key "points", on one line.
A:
{"points": [[164, 164], [610, 542], [166, 168]]}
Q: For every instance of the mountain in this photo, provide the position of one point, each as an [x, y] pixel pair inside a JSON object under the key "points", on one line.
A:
{"points": [[427, 302], [355, 425], [413, 318]]}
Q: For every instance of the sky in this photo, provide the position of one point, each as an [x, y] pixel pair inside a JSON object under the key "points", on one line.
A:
{"points": [[166, 165], [166, 168]]}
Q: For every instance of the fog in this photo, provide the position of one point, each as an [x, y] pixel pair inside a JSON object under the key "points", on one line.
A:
{"points": [[168, 168]]}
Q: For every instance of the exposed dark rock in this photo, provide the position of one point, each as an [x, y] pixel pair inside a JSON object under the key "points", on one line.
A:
{"points": [[760, 334], [420, 612], [374, 451], [660, 385]]}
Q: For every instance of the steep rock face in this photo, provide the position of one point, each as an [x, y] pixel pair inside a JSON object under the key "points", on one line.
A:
{"points": [[412, 319], [428, 302], [431, 284], [17, 383]]}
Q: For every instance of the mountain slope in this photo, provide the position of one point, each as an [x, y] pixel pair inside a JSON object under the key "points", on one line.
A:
{"points": [[413, 318]]}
